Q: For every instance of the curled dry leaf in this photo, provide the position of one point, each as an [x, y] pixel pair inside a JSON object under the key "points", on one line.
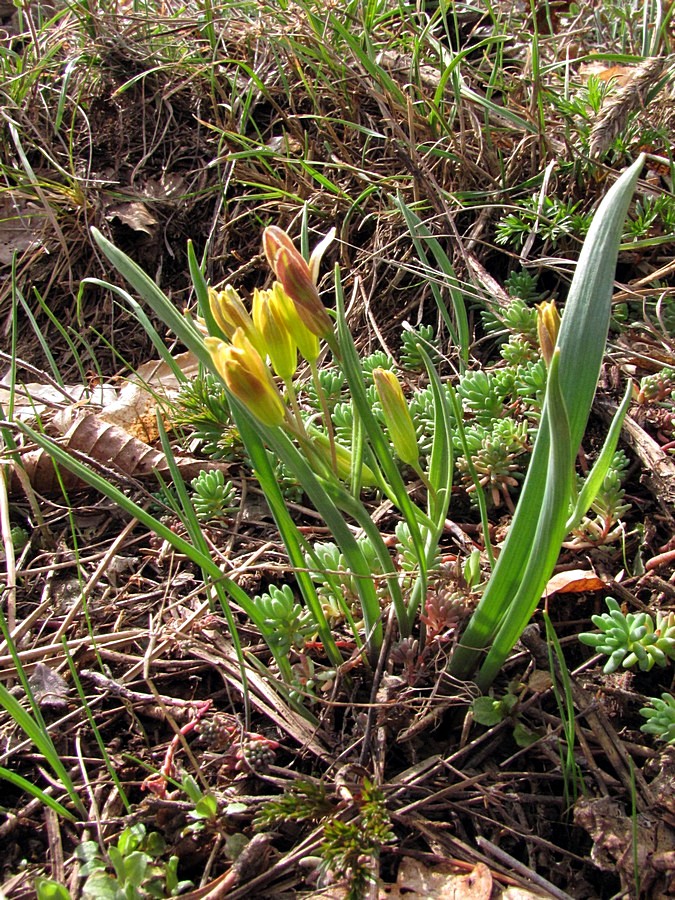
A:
{"points": [[153, 382], [49, 688], [415, 881], [109, 445], [33, 399], [574, 581], [134, 214], [612, 831]]}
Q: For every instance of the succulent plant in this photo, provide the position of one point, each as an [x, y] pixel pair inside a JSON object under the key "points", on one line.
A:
{"points": [[288, 622], [422, 336], [480, 396], [376, 360], [213, 497], [632, 638], [660, 718]]}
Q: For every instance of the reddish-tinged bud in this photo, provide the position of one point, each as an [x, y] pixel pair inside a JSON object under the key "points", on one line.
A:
{"points": [[294, 273]]}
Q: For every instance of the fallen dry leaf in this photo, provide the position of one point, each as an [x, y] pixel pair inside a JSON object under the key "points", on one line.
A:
{"points": [[416, 881], [622, 74], [517, 893], [574, 581], [540, 680], [134, 214], [135, 408], [34, 398], [106, 444], [612, 830]]}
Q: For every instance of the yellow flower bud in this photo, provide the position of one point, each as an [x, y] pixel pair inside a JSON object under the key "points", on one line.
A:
{"points": [[230, 313], [397, 416], [247, 377], [548, 326], [292, 270], [269, 320], [307, 342]]}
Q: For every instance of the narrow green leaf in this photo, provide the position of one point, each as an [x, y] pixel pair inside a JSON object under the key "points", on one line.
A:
{"points": [[147, 325], [352, 369], [422, 239], [37, 733], [293, 541], [597, 475], [156, 299], [551, 529], [34, 791], [104, 487], [202, 292]]}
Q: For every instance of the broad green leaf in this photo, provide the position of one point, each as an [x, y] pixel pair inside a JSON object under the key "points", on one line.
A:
{"points": [[535, 534]]}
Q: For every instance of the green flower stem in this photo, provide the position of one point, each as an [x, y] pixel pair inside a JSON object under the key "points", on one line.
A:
{"points": [[325, 413], [373, 433]]}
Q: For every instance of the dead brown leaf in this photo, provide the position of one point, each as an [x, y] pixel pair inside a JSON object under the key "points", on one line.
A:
{"points": [[612, 832], [574, 581], [111, 446], [416, 881], [134, 214]]}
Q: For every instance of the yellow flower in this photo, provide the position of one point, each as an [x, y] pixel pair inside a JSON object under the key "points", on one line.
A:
{"points": [[397, 416], [298, 280], [548, 326], [247, 377], [230, 313], [270, 323]]}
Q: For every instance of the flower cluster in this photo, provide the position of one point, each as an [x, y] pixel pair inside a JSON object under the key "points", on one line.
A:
{"points": [[254, 350], [286, 319]]}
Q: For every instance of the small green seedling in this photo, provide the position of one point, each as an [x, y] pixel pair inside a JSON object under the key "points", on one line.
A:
{"points": [[138, 872]]}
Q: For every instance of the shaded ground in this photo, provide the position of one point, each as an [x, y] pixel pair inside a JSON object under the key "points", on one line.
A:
{"points": [[160, 126]]}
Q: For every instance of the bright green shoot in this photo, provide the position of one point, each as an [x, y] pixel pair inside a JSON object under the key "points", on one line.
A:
{"points": [[542, 517], [33, 725]]}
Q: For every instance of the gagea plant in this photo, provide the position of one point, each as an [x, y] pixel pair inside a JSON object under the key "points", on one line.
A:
{"points": [[254, 347]]}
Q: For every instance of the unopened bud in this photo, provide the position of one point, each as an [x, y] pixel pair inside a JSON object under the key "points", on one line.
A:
{"points": [[306, 341], [343, 459], [247, 377], [293, 271], [230, 313], [548, 326], [397, 416], [271, 326]]}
